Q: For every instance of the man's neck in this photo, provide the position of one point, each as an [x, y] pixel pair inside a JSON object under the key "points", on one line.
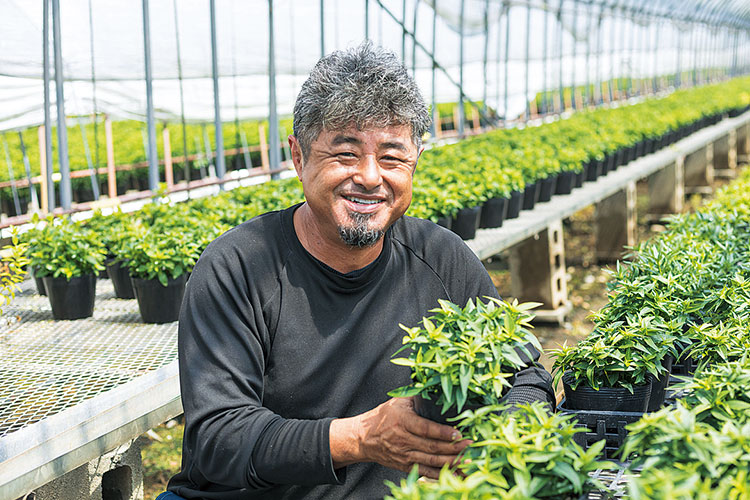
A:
{"points": [[327, 249]]}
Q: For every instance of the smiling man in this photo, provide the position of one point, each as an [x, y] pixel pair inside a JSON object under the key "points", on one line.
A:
{"points": [[290, 319]]}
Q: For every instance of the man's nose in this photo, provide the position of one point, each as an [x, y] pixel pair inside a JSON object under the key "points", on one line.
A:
{"points": [[368, 173]]}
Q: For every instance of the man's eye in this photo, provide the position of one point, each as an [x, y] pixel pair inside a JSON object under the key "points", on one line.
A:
{"points": [[346, 154]]}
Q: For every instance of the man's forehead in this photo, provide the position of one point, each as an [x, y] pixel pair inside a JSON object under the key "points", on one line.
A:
{"points": [[381, 136]]}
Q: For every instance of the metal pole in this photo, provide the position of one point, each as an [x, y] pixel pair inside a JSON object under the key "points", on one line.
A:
{"points": [[47, 119], [27, 168], [220, 161], [598, 79], [610, 85], [414, 40], [12, 178], [367, 19], [92, 168], [589, 20], [677, 73], [435, 113], [575, 55], [695, 55], [527, 111], [545, 42], [561, 107], [273, 119], [403, 32], [486, 45], [631, 56], [655, 86], [497, 66], [322, 29], [153, 159], [461, 73], [66, 193], [507, 43], [186, 163]]}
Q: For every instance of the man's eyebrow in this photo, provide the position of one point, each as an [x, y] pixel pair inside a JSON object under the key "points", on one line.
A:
{"points": [[393, 145], [345, 139]]}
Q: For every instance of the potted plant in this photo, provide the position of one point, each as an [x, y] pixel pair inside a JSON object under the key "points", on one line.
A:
{"points": [[613, 369], [463, 357], [159, 265], [69, 257]]}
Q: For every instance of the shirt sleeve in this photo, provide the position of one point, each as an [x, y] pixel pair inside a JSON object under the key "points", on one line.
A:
{"points": [[230, 439]]}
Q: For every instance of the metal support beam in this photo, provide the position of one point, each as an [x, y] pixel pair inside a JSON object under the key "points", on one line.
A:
{"points": [[544, 106], [322, 29], [527, 110], [505, 76], [486, 49], [436, 128], [460, 124], [153, 160], [575, 55], [221, 168], [273, 117], [66, 194], [367, 19], [561, 103], [47, 118]]}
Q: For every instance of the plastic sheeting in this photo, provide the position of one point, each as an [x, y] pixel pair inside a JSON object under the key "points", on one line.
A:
{"points": [[607, 41]]}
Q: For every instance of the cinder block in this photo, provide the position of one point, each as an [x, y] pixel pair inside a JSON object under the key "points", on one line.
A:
{"points": [[117, 475], [666, 190], [616, 224]]}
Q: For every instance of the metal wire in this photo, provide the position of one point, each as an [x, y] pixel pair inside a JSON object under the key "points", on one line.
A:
{"points": [[47, 366]]}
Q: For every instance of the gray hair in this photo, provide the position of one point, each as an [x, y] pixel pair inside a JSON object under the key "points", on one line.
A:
{"points": [[367, 86]]}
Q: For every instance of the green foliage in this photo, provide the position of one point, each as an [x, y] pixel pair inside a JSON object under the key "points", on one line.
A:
{"points": [[522, 453], [620, 354], [462, 356], [63, 248], [683, 457], [163, 255], [12, 267]]}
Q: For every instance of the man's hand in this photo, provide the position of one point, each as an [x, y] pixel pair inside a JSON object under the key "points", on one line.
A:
{"points": [[396, 437]]}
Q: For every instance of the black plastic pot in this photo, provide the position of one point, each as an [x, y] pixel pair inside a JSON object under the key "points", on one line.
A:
{"points": [[72, 299], [606, 398], [493, 212], [466, 222], [514, 205], [593, 170], [530, 195], [547, 188], [580, 178], [39, 285], [158, 303], [427, 408], [445, 221], [565, 181], [610, 163], [119, 273], [659, 386]]}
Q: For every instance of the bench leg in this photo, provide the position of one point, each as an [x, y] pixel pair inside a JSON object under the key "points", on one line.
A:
{"points": [[699, 171], [615, 224], [666, 191]]}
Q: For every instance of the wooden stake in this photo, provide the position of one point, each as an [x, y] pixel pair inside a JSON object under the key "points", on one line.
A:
{"points": [[111, 174], [263, 148], [167, 160], [475, 120], [43, 168]]}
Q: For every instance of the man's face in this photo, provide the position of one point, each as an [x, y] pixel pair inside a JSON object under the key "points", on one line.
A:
{"points": [[357, 182]]}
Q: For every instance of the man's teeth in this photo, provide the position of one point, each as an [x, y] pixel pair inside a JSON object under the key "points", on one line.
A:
{"points": [[360, 200]]}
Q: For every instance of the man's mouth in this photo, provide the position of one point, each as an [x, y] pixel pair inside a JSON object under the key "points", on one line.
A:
{"points": [[362, 201]]}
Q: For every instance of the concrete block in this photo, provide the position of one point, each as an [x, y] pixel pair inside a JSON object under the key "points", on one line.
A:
{"points": [[117, 475], [615, 224], [666, 190], [537, 267]]}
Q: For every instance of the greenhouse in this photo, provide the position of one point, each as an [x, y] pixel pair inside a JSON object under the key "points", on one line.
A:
{"points": [[411, 250]]}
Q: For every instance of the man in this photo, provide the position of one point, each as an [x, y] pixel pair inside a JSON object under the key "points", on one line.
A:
{"points": [[290, 319]]}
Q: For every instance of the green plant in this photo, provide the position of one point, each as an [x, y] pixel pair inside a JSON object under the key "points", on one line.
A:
{"points": [[524, 454], [63, 248], [680, 455], [12, 267], [163, 255], [621, 354], [465, 356]]}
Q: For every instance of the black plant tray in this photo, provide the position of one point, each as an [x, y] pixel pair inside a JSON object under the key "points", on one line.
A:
{"points": [[607, 425]]}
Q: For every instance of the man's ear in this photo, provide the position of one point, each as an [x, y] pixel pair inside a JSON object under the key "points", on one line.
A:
{"points": [[297, 158]]}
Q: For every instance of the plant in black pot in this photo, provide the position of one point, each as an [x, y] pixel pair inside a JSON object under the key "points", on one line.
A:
{"points": [[613, 369], [463, 357], [68, 258], [159, 265], [127, 237]]}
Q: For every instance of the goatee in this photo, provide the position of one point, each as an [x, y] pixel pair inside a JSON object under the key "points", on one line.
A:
{"points": [[359, 234]]}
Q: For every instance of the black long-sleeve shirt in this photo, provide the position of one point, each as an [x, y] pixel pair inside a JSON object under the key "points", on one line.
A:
{"points": [[274, 344]]}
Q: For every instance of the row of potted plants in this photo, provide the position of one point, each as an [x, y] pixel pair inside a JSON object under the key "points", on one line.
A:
{"points": [[513, 169], [147, 261]]}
